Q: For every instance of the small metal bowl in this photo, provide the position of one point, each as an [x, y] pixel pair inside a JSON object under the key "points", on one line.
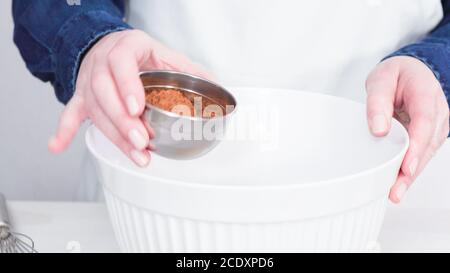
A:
{"points": [[186, 137]]}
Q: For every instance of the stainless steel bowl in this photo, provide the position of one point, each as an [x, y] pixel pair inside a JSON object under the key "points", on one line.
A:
{"points": [[185, 137]]}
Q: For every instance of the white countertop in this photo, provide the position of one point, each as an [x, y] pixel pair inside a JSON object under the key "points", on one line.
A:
{"points": [[85, 227], [64, 227]]}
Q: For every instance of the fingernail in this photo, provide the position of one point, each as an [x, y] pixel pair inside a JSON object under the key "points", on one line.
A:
{"points": [[140, 158], [52, 143], [137, 139], [413, 167], [151, 146], [401, 190], [132, 105], [52, 140], [379, 124]]}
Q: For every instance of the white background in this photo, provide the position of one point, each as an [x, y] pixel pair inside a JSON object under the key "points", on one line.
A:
{"points": [[28, 116]]}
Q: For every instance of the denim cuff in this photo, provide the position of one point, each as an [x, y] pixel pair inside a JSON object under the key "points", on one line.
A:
{"points": [[73, 40], [435, 56]]}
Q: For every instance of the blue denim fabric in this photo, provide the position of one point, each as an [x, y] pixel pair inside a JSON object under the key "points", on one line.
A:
{"points": [[52, 37], [434, 51]]}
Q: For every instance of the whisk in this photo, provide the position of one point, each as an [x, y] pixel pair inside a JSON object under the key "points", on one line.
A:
{"points": [[12, 242]]}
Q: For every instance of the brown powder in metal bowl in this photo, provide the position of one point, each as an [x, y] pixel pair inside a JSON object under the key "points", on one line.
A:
{"points": [[169, 98]]}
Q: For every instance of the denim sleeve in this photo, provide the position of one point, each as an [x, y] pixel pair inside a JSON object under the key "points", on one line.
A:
{"points": [[434, 50], [53, 36]]}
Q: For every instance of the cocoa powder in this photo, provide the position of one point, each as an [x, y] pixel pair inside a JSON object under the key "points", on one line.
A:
{"points": [[180, 102]]}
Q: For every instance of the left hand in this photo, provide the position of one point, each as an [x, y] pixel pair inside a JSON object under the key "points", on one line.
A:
{"points": [[405, 88]]}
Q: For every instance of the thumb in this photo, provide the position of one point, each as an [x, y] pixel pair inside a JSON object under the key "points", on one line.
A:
{"points": [[172, 60], [381, 86]]}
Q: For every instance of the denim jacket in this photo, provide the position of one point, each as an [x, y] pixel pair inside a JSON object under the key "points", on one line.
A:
{"points": [[53, 36]]}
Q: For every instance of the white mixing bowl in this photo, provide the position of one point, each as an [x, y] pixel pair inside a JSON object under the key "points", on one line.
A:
{"points": [[298, 172]]}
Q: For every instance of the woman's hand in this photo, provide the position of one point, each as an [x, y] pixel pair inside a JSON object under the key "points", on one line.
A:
{"points": [[110, 93], [407, 89]]}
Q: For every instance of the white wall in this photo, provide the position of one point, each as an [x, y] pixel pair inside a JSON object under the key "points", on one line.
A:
{"points": [[28, 116]]}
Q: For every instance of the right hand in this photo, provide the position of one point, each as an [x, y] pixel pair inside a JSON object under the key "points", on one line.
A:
{"points": [[109, 92]]}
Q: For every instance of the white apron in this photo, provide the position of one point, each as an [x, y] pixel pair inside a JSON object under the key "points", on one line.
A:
{"points": [[328, 46], [323, 45]]}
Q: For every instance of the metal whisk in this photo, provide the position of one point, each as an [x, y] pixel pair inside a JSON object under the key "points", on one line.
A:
{"points": [[12, 242]]}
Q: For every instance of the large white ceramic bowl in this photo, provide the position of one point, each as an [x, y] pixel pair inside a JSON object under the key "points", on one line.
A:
{"points": [[298, 172]]}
